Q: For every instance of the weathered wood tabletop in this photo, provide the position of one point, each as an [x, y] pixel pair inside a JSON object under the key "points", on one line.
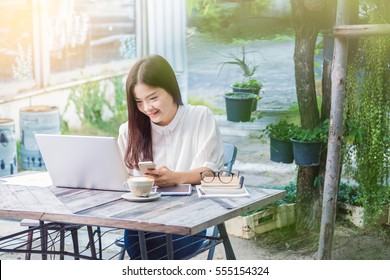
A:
{"points": [[186, 215]]}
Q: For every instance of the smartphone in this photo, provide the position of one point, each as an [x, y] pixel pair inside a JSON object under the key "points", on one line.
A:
{"points": [[145, 165]]}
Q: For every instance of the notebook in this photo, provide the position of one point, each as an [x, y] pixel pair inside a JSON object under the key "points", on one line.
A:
{"points": [[75, 161], [216, 188]]}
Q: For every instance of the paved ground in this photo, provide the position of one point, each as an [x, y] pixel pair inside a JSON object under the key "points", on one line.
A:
{"points": [[276, 70]]}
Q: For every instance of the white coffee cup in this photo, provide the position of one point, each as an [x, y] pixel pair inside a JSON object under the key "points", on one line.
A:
{"points": [[139, 186]]}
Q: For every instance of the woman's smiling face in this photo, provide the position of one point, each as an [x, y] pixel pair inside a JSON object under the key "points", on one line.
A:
{"points": [[156, 103]]}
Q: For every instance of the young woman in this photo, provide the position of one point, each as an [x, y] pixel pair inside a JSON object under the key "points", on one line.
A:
{"points": [[182, 140]]}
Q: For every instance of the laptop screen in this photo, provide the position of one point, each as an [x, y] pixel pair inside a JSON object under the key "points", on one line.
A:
{"points": [[75, 161]]}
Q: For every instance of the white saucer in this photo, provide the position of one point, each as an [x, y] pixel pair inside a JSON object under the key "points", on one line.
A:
{"points": [[130, 197]]}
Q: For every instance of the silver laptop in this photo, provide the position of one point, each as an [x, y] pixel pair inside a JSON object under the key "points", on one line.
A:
{"points": [[74, 161]]}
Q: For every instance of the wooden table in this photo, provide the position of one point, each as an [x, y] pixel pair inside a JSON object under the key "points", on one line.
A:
{"points": [[186, 215]]}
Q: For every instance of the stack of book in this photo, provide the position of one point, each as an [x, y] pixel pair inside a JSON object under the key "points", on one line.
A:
{"points": [[216, 188]]}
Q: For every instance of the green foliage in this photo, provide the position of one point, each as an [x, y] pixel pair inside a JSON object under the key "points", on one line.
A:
{"points": [[281, 130], [318, 134], [240, 95], [205, 6], [236, 21], [291, 193], [248, 69], [350, 194], [100, 106], [251, 83], [257, 115], [353, 194], [199, 101], [292, 114], [367, 147], [89, 101]]}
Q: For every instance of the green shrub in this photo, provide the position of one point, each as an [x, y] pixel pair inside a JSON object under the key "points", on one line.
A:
{"points": [[350, 194], [318, 134], [291, 193], [281, 130], [99, 112]]}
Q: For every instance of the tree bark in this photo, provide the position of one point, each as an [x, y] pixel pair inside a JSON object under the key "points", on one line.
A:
{"points": [[308, 204], [305, 41], [326, 85], [332, 174], [309, 17], [333, 164], [326, 93]]}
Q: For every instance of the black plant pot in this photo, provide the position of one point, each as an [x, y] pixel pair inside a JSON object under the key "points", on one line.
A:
{"points": [[239, 106], [281, 150], [255, 91], [306, 153]]}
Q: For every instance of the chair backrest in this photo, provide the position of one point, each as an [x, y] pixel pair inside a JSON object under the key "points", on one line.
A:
{"points": [[230, 152]]}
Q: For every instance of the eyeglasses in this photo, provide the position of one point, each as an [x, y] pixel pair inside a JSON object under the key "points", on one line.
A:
{"points": [[224, 177]]}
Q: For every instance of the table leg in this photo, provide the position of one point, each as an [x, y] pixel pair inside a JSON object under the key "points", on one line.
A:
{"points": [[30, 236], [142, 245], [99, 234], [62, 241], [91, 242], [213, 243], [226, 242], [169, 246], [43, 239], [75, 240]]}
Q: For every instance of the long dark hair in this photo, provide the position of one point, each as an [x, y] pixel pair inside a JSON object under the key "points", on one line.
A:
{"points": [[153, 71]]}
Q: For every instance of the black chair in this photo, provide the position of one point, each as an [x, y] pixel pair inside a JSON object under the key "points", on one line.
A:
{"points": [[230, 153]]}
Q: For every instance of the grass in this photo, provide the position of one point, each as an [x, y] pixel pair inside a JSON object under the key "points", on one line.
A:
{"points": [[198, 101], [292, 115], [349, 242], [288, 238]]}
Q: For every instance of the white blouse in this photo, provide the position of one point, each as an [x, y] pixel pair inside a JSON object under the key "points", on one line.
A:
{"points": [[191, 140]]}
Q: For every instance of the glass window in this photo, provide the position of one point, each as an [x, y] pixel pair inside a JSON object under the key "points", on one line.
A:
{"points": [[63, 40], [16, 46]]}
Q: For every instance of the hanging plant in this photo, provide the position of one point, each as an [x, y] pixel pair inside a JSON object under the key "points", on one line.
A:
{"points": [[367, 121]]}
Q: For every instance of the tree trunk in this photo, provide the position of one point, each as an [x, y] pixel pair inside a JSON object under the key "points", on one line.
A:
{"points": [[309, 18], [334, 148], [308, 204], [326, 76], [326, 93], [305, 40], [333, 167]]}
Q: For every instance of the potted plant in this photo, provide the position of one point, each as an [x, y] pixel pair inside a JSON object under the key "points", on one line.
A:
{"points": [[248, 84], [280, 133], [239, 106], [307, 144]]}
